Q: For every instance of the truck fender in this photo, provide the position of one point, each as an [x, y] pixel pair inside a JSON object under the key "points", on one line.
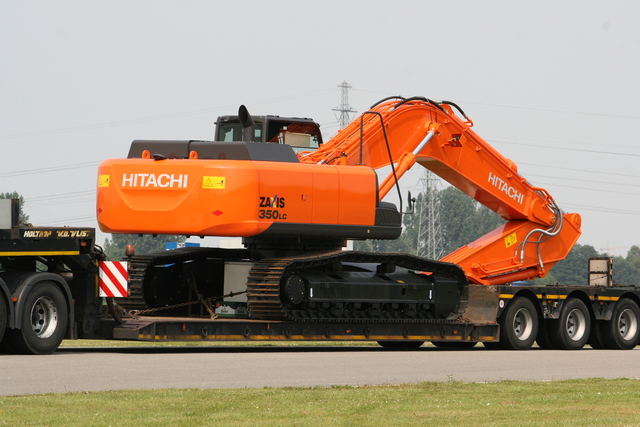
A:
{"points": [[603, 310], [21, 283], [4, 291]]}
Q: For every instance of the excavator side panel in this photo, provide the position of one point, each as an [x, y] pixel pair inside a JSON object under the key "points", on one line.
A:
{"points": [[232, 197]]}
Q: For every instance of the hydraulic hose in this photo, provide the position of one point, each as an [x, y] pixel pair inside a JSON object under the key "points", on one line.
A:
{"points": [[388, 98], [422, 99], [386, 140], [453, 104], [550, 232]]}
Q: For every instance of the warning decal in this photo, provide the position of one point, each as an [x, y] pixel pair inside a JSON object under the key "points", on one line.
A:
{"points": [[103, 180], [214, 182], [113, 278], [510, 240]]}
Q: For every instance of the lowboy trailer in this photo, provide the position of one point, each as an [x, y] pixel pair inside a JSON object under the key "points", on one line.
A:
{"points": [[49, 291]]}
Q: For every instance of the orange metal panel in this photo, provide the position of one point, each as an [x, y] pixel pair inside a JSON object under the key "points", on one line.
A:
{"points": [[229, 197], [357, 195], [325, 202]]}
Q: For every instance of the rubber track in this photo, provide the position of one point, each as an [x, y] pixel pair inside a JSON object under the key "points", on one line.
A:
{"points": [[139, 264], [263, 287]]}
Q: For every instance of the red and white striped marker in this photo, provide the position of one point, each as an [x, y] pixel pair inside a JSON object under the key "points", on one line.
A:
{"points": [[113, 278]]}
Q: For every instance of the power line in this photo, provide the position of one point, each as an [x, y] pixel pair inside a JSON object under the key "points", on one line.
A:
{"points": [[55, 196], [547, 110], [603, 210], [590, 189], [60, 202], [568, 149], [159, 116], [554, 141], [65, 221], [627, 184], [49, 169], [590, 171]]}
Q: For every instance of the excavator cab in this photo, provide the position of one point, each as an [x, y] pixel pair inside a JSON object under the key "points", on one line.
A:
{"points": [[301, 133]]}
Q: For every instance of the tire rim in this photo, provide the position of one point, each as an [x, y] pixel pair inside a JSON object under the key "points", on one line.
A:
{"points": [[627, 324], [523, 324], [44, 317], [576, 325]]}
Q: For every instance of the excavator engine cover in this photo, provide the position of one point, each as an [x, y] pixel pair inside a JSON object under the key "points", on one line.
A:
{"points": [[239, 189]]}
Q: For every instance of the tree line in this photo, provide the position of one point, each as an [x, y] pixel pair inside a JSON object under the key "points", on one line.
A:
{"points": [[461, 220], [458, 219], [113, 247]]}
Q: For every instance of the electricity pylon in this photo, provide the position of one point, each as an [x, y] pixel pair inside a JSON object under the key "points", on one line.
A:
{"points": [[344, 108], [429, 243]]}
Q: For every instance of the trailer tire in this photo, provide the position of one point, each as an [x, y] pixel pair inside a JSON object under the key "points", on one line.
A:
{"points": [[454, 344], [622, 332], [571, 330], [543, 339], [5, 347], [518, 325], [3, 315], [490, 345], [44, 321], [595, 337], [400, 344]]}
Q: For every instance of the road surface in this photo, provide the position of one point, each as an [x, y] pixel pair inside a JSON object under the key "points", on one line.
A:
{"points": [[93, 369]]}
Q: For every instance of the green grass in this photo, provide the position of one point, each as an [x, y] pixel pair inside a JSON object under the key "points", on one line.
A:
{"points": [[591, 402]]}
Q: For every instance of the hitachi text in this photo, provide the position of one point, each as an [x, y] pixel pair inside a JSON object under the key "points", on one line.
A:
{"points": [[506, 188], [152, 180]]}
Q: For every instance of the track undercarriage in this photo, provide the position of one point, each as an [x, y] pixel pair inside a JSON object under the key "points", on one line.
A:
{"points": [[326, 286], [354, 285]]}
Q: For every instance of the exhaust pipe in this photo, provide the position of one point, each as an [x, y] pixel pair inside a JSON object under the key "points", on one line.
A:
{"points": [[247, 122]]}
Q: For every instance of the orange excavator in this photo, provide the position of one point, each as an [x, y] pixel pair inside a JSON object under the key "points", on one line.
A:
{"points": [[295, 200]]}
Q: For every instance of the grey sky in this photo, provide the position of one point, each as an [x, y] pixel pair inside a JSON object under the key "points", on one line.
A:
{"points": [[552, 85]]}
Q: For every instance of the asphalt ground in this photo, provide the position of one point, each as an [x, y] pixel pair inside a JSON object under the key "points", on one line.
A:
{"points": [[98, 369]]}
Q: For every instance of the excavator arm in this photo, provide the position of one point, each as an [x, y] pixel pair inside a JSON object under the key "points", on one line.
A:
{"points": [[402, 132]]}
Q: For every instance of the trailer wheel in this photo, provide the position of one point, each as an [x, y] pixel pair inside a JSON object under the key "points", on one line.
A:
{"points": [[454, 344], [543, 339], [571, 330], [44, 321], [518, 325], [400, 344], [3, 315], [5, 347], [595, 336], [622, 332]]}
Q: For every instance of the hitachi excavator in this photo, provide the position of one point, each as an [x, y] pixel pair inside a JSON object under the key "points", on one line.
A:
{"points": [[295, 200]]}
